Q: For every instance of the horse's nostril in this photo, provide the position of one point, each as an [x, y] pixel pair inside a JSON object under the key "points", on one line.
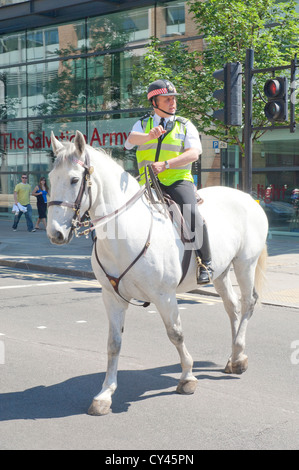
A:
{"points": [[56, 237], [59, 236]]}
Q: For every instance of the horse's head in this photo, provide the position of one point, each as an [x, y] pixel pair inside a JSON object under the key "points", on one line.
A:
{"points": [[70, 190]]}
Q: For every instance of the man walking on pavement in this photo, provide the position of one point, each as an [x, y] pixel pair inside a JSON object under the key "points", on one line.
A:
{"points": [[22, 201]]}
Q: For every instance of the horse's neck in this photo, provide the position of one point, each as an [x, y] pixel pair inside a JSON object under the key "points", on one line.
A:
{"points": [[116, 185]]}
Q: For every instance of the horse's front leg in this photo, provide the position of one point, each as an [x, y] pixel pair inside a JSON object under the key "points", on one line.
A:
{"points": [[116, 314], [169, 312]]}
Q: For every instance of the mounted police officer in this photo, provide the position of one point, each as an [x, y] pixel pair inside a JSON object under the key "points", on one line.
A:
{"points": [[171, 143]]}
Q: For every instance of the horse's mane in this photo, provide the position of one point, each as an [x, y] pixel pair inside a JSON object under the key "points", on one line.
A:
{"points": [[68, 151]]}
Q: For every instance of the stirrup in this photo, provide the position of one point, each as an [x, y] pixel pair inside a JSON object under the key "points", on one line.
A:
{"points": [[201, 268]]}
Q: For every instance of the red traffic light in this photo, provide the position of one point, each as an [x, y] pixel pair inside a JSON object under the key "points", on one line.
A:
{"points": [[276, 90], [273, 88]]}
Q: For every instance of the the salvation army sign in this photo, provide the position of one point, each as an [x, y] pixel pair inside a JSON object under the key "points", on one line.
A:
{"points": [[111, 133]]}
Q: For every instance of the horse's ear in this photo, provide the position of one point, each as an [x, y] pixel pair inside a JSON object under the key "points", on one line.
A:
{"points": [[56, 145], [80, 143]]}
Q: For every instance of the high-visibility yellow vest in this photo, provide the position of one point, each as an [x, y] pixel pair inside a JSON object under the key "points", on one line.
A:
{"points": [[170, 146]]}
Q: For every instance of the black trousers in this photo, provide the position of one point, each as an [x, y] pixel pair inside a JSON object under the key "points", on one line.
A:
{"points": [[182, 192]]}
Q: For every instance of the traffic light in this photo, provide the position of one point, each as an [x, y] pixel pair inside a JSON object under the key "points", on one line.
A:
{"points": [[276, 90], [230, 95]]}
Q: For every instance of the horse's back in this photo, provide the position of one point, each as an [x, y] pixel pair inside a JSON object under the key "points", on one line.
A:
{"points": [[237, 224]]}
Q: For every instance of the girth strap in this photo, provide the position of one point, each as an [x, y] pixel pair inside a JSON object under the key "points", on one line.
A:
{"points": [[114, 281]]}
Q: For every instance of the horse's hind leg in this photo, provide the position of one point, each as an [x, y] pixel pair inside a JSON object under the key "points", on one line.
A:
{"points": [[116, 315], [245, 277], [168, 310], [231, 304]]}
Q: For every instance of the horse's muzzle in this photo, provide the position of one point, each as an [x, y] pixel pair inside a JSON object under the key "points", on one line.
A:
{"points": [[59, 236]]}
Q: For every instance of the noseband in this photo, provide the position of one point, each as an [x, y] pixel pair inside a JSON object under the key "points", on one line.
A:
{"points": [[76, 206]]}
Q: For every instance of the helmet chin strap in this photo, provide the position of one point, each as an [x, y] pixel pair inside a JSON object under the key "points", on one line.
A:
{"points": [[166, 112]]}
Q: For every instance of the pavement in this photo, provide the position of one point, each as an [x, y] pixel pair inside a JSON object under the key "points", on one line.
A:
{"points": [[34, 252]]}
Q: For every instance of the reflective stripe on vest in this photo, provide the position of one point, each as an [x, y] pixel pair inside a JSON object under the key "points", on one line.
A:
{"points": [[172, 145]]}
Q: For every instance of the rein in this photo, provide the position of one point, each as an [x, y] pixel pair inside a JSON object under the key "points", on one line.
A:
{"points": [[78, 222]]}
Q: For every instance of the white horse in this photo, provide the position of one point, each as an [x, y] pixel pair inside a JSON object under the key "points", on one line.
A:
{"points": [[146, 253]]}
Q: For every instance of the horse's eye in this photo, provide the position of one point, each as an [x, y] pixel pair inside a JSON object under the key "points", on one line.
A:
{"points": [[74, 180]]}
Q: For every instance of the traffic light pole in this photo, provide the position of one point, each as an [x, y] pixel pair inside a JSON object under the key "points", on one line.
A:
{"points": [[293, 68], [248, 127], [247, 183]]}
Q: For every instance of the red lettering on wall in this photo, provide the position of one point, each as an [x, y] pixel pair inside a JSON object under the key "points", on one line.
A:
{"points": [[31, 142], [104, 139], [20, 143], [271, 193], [95, 137], [42, 141]]}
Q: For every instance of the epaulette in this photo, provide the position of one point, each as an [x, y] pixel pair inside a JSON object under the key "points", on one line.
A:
{"points": [[147, 115], [181, 119]]}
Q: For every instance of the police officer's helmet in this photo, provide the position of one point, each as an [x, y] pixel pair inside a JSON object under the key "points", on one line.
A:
{"points": [[161, 87]]}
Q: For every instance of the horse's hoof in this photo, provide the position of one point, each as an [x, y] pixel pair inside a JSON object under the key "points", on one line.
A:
{"points": [[237, 367], [240, 366], [99, 407], [186, 387], [228, 368]]}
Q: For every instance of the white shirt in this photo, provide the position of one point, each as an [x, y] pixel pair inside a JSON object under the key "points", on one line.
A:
{"points": [[192, 139]]}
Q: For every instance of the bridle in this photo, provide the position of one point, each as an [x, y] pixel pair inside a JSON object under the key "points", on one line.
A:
{"points": [[78, 221]]}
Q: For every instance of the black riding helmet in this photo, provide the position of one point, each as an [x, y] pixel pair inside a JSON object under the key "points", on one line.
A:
{"points": [[160, 87]]}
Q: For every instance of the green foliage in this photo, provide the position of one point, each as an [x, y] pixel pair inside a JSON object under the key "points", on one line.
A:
{"points": [[228, 29]]}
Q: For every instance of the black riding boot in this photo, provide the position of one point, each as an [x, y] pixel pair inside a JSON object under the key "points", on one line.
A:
{"points": [[203, 260]]}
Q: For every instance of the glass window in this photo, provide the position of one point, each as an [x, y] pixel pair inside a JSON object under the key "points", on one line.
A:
{"points": [[10, 2], [276, 192], [13, 101], [12, 48], [13, 146], [39, 141], [111, 83], [276, 153], [110, 134], [56, 87], [56, 41], [175, 18], [118, 29], [170, 19]]}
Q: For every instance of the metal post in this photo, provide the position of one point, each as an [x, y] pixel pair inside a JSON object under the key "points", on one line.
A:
{"points": [[293, 94], [247, 182]]}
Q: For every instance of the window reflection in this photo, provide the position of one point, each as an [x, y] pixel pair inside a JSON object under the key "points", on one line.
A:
{"points": [[13, 101], [56, 41], [56, 87], [111, 85], [175, 19], [13, 48], [118, 29], [11, 2]]}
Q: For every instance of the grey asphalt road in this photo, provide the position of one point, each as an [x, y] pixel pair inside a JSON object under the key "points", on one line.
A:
{"points": [[53, 335]]}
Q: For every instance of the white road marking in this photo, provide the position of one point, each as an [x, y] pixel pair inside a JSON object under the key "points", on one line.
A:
{"points": [[41, 284], [208, 300]]}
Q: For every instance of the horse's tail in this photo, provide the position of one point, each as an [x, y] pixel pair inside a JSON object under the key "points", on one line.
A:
{"points": [[260, 271]]}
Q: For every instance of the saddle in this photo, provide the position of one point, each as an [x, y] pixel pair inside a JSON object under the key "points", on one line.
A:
{"points": [[173, 212]]}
